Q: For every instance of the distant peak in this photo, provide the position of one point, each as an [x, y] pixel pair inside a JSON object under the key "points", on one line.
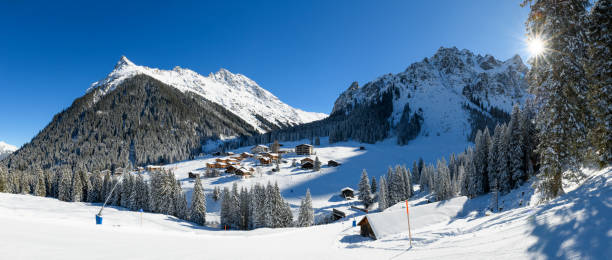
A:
{"points": [[123, 61]]}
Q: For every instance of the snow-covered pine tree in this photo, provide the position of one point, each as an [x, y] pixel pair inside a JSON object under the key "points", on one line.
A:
{"points": [[64, 186], [245, 209], [373, 185], [180, 202], [416, 174], [382, 195], [306, 214], [216, 193], [107, 183], [503, 168], [3, 179], [494, 157], [407, 182], [49, 180], [443, 185], [317, 164], [599, 74], [235, 207], [515, 148], [226, 208], [424, 180], [558, 81], [460, 181], [365, 190], [115, 195], [126, 189], [41, 186], [198, 203], [24, 183]]}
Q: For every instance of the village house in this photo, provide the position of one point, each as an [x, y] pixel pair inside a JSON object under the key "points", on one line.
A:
{"points": [[337, 214], [308, 165], [153, 168], [333, 163], [305, 160], [260, 149], [347, 193], [245, 155], [303, 149], [244, 172], [231, 169], [264, 160]]}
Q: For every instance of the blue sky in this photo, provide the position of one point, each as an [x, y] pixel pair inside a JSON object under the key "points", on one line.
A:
{"points": [[305, 52]]}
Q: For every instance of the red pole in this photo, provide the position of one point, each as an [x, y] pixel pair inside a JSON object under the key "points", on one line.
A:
{"points": [[408, 216]]}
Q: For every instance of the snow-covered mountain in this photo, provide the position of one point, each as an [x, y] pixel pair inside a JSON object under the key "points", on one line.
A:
{"points": [[6, 149], [235, 92], [447, 90]]}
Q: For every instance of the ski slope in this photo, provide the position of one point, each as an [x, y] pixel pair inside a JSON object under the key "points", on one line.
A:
{"points": [[577, 225]]}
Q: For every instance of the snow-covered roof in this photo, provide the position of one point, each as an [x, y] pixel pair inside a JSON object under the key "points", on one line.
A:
{"points": [[394, 220], [347, 188]]}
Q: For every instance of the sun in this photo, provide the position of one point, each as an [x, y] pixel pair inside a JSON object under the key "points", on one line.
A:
{"points": [[536, 46]]}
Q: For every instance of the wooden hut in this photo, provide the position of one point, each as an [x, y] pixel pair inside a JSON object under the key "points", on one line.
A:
{"points": [[333, 163], [347, 193], [193, 175], [366, 229], [260, 149]]}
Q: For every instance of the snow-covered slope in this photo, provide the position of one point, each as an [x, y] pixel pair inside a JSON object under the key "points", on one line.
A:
{"points": [[577, 225], [442, 86], [235, 92], [6, 149]]}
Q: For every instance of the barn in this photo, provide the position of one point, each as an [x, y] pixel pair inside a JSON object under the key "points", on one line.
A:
{"points": [[333, 163]]}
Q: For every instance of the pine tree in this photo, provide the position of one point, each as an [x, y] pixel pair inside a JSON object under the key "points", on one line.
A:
{"points": [[317, 141], [226, 208], [416, 174], [365, 194], [516, 148], [374, 185], [558, 81], [107, 185], [216, 193], [64, 186], [407, 182], [180, 202], [599, 74], [503, 170], [198, 203], [245, 209], [494, 157], [317, 164], [382, 195], [306, 215], [4, 187], [41, 186], [96, 188], [126, 189]]}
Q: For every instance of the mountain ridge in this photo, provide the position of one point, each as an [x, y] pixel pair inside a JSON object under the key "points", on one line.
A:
{"points": [[236, 92]]}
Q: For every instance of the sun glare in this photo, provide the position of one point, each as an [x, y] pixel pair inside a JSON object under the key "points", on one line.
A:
{"points": [[536, 46]]}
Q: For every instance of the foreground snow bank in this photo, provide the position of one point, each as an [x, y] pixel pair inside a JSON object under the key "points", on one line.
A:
{"points": [[578, 225]]}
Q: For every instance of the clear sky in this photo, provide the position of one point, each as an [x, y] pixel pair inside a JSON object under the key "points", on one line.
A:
{"points": [[304, 52]]}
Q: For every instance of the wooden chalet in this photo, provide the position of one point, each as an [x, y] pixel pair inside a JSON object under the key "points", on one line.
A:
{"points": [[265, 160], [153, 168], [307, 165], [245, 155], [333, 163], [244, 172], [304, 149], [305, 160], [231, 169], [347, 193], [260, 149], [230, 153], [193, 175]]}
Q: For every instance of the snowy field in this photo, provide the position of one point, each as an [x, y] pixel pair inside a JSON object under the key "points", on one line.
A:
{"points": [[577, 225]]}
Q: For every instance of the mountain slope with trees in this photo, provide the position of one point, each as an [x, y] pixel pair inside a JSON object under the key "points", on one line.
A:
{"points": [[142, 121]]}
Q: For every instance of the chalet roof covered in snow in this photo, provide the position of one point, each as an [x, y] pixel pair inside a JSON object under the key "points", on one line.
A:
{"points": [[394, 220]]}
